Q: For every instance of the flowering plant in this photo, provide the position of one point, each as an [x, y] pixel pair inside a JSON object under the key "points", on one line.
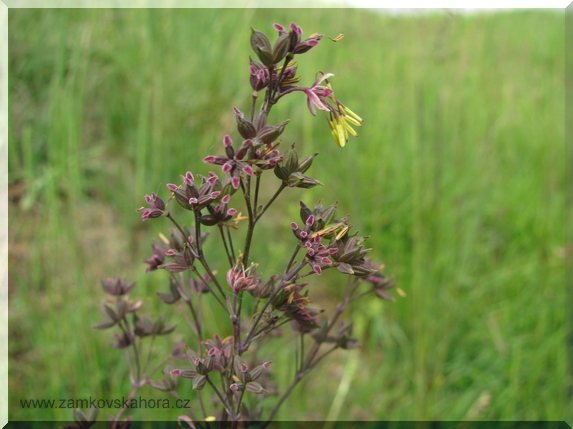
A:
{"points": [[226, 367]]}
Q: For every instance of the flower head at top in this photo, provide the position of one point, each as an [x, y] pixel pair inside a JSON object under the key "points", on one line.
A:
{"points": [[296, 44]]}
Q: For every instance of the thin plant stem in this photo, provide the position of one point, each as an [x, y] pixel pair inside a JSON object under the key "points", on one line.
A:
{"points": [[149, 351], [293, 256], [127, 401], [159, 364], [253, 105], [257, 187], [223, 401], [251, 221], [273, 198], [313, 364], [297, 378], [227, 251], [131, 334], [172, 219], [230, 240], [187, 410], [301, 348], [194, 270], [286, 278]]}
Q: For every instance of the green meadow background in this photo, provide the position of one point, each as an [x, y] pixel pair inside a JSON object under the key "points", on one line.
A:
{"points": [[458, 176]]}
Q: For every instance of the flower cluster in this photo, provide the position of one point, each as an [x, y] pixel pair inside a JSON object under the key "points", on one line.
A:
{"points": [[156, 207], [256, 305]]}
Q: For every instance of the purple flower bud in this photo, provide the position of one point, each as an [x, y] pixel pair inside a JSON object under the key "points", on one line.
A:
{"points": [[176, 372], [226, 199], [279, 27], [310, 220], [189, 179], [212, 179], [296, 28], [172, 187]]}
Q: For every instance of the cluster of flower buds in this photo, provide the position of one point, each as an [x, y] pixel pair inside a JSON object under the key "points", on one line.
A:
{"points": [[294, 305], [115, 312], [145, 327], [193, 197], [221, 349], [288, 43], [156, 207], [268, 72], [257, 150], [349, 255], [216, 359], [245, 378], [117, 287], [317, 254], [291, 170]]}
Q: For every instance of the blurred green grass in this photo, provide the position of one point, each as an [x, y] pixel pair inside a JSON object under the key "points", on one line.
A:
{"points": [[458, 176]]}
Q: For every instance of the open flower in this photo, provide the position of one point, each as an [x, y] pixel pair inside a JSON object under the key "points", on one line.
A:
{"points": [[317, 94], [241, 279]]}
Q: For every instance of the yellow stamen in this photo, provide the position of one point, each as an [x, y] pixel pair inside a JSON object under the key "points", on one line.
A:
{"points": [[352, 121], [354, 115], [350, 129]]}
